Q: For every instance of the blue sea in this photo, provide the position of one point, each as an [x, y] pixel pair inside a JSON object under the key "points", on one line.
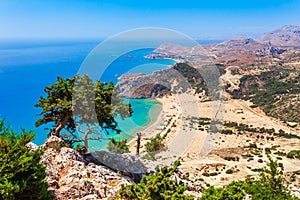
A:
{"points": [[26, 67]]}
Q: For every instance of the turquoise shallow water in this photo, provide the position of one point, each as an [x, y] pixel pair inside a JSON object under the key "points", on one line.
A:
{"points": [[27, 67], [145, 113]]}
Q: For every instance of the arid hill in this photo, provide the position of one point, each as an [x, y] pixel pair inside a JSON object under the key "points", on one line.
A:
{"points": [[284, 36]]}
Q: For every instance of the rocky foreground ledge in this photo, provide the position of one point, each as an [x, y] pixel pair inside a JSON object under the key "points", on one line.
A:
{"points": [[98, 175]]}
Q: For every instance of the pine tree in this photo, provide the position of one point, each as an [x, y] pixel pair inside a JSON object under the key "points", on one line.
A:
{"points": [[80, 101], [22, 176]]}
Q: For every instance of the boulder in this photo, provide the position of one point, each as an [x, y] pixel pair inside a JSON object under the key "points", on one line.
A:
{"points": [[126, 163]]}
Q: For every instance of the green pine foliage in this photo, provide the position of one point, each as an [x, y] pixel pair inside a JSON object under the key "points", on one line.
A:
{"points": [[80, 101], [156, 144], [234, 191], [156, 187], [116, 146], [22, 176]]}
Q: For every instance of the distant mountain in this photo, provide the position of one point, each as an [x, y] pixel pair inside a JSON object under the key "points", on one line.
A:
{"points": [[239, 42], [277, 44], [284, 36], [234, 46]]}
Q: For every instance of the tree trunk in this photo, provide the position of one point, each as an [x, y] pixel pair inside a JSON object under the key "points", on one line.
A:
{"points": [[61, 126], [86, 143], [138, 145]]}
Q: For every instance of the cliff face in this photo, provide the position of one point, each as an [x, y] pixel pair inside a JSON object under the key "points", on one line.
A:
{"points": [[284, 36], [70, 177], [98, 175], [177, 78]]}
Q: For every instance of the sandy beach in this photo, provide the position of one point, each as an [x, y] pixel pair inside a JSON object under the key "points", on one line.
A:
{"points": [[170, 108], [174, 118], [187, 141], [200, 148]]}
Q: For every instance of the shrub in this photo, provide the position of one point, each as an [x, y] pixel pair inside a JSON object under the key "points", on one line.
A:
{"points": [[115, 146], [213, 174], [268, 150], [229, 171], [155, 144], [22, 174], [205, 174], [80, 148], [148, 157], [157, 186], [250, 159], [253, 145], [269, 186], [228, 158], [294, 154]]}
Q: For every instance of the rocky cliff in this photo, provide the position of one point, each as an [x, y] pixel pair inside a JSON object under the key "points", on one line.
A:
{"points": [[98, 175], [70, 177]]}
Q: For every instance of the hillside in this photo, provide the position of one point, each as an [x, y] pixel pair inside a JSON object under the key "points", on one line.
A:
{"points": [[286, 36]]}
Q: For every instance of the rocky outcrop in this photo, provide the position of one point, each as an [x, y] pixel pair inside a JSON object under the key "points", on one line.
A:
{"points": [[99, 175], [70, 177], [127, 163], [295, 191], [32, 146], [53, 142], [195, 187]]}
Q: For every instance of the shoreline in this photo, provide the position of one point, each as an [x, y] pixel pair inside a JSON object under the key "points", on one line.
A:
{"points": [[169, 109]]}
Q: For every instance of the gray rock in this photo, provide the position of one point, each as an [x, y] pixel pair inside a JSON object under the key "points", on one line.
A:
{"points": [[32, 146], [70, 178], [53, 141], [127, 163]]}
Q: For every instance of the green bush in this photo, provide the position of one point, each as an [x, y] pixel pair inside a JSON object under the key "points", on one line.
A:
{"points": [[115, 146], [229, 171], [22, 174], [213, 174], [148, 157], [80, 148], [155, 144], [156, 187], [205, 174], [294, 154], [252, 145]]}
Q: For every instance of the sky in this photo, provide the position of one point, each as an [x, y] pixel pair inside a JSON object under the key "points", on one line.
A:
{"points": [[209, 19]]}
